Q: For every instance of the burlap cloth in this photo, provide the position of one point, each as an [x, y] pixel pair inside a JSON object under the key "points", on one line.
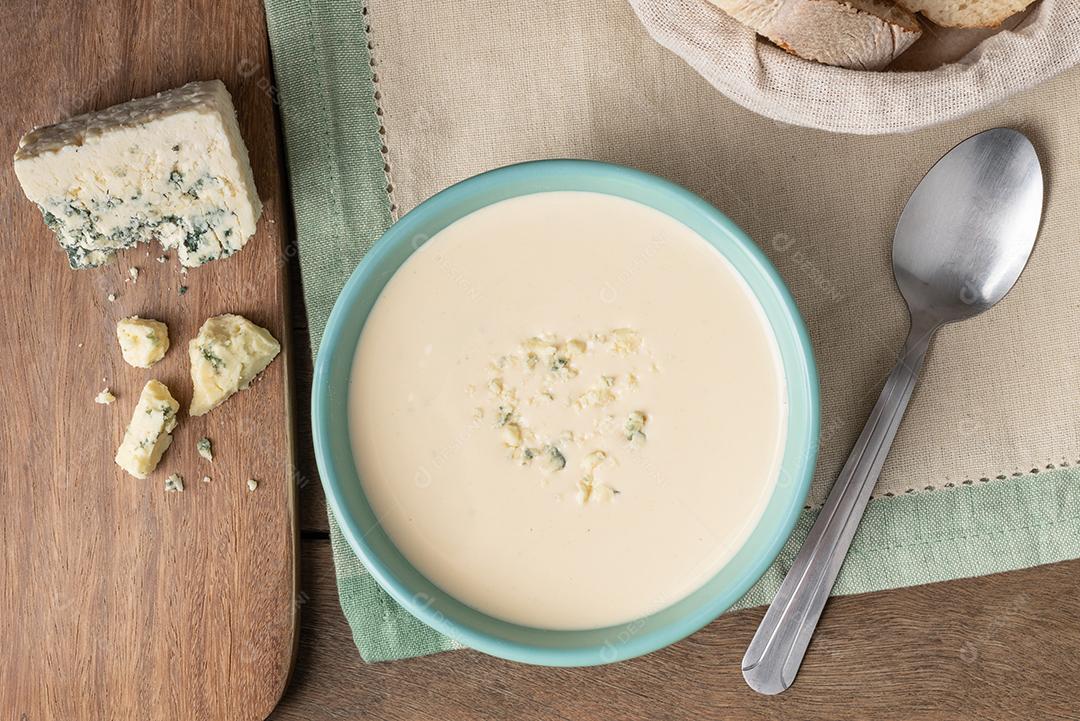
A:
{"points": [[767, 80]]}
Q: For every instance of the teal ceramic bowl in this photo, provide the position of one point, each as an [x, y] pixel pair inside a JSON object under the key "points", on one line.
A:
{"points": [[422, 598]]}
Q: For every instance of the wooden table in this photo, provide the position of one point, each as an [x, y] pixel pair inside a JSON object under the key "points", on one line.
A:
{"points": [[998, 647]]}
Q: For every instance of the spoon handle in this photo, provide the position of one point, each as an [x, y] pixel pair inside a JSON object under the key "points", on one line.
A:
{"points": [[778, 647]]}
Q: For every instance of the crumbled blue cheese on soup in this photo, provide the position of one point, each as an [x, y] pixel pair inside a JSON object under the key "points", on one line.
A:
{"points": [[205, 448], [589, 488], [587, 381], [625, 341], [591, 491], [171, 167], [551, 458]]}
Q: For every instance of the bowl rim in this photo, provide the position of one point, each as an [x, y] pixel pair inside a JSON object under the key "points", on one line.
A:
{"points": [[424, 600]]}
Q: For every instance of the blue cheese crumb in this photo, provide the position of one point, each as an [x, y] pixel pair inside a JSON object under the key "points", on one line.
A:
{"points": [[633, 429], [591, 461], [105, 397], [511, 435], [143, 341], [148, 435], [205, 448], [174, 483], [543, 370], [553, 459], [625, 341], [252, 484]]}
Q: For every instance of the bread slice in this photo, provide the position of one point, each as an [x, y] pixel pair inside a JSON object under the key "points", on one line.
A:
{"points": [[966, 13], [860, 34]]}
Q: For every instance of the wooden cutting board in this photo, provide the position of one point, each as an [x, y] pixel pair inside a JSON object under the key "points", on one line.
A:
{"points": [[119, 600]]}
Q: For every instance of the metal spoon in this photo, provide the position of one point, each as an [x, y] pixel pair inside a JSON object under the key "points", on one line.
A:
{"points": [[961, 243]]}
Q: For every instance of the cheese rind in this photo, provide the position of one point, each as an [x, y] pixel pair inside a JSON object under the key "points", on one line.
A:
{"points": [[143, 342], [171, 167], [147, 436], [226, 355]]}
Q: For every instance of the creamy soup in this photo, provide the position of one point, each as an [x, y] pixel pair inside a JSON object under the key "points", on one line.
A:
{"points": [[567, 410]]}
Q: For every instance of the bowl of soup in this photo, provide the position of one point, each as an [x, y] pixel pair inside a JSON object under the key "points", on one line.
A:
{"points": [[565, 412]]}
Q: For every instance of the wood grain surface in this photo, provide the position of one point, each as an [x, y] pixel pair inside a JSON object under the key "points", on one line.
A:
{"points": [[119, 600]]}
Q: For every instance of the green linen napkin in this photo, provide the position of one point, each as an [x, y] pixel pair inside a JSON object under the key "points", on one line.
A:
{"points": [[340, 202], [339, 190]]}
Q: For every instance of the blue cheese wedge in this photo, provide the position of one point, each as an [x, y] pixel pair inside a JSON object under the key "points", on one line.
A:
{"points": [[225, 357], [147, 436], [171, 167], [143, 342]]}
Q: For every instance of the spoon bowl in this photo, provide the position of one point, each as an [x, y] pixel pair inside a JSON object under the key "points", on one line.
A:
{"points": [[961, 242], [968, 229]]}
